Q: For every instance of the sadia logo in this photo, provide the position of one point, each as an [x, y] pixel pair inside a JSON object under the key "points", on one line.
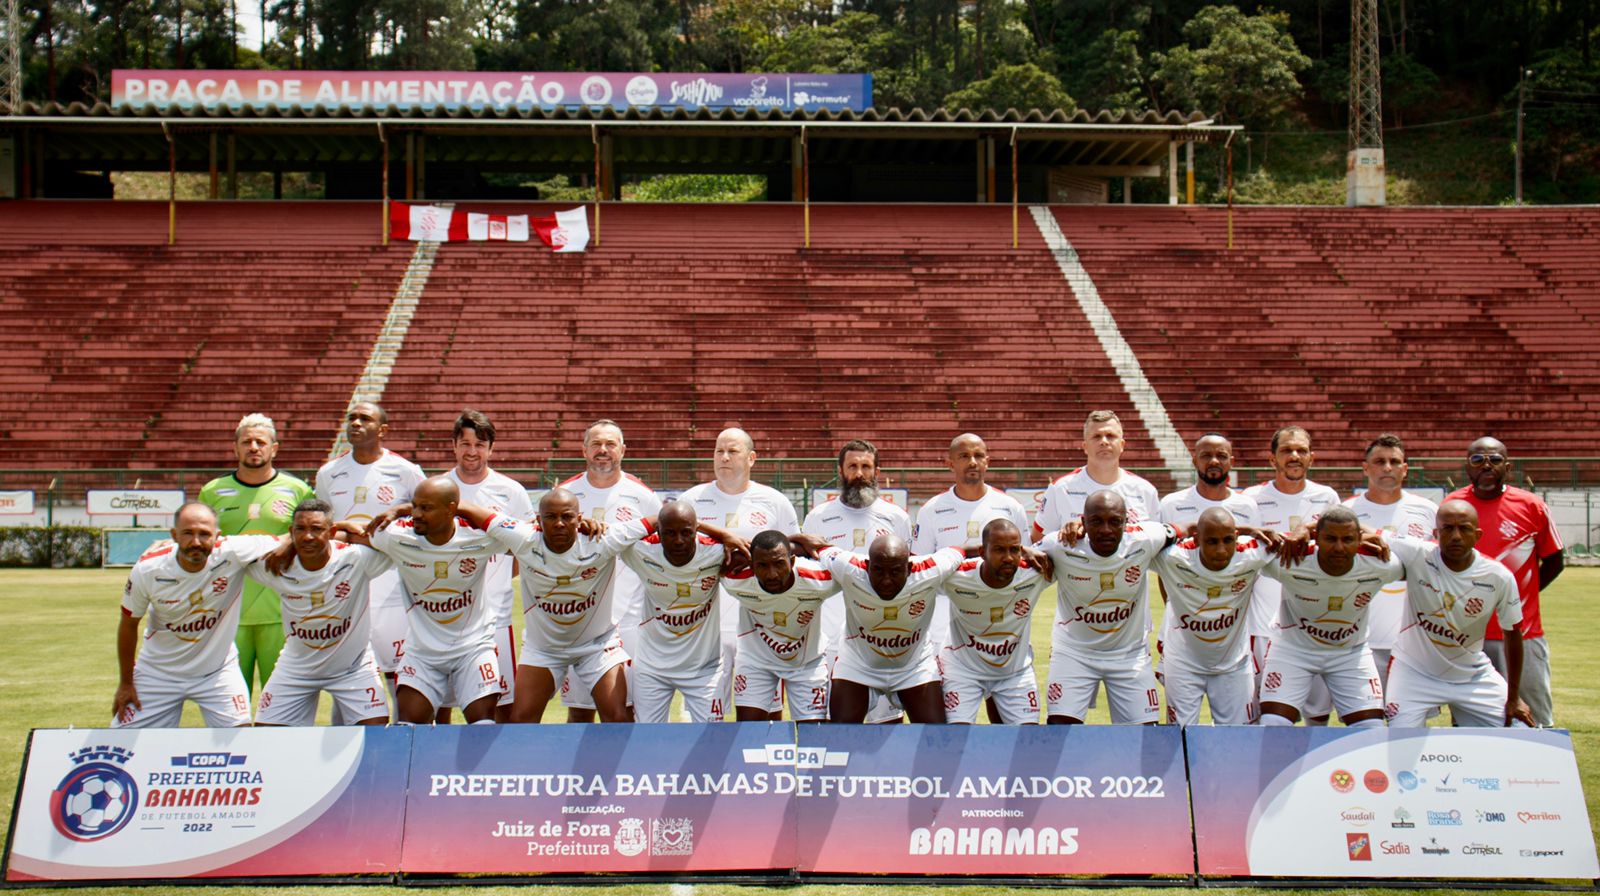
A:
{"points": [[1394, 848], [97, 798]]}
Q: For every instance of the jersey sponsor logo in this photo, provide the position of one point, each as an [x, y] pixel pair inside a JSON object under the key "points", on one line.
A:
{"points": [[1104, 621], [361, 494], [1218, 625], [893, 643], [1437, 629], [1331, 635], [319, 632], [441, 569]]}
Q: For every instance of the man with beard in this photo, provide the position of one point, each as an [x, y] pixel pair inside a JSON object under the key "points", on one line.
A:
{"points": [[851, 522], [256, 499], [190, 589], [1517, 531], [1387, 507], [1290, 502]]}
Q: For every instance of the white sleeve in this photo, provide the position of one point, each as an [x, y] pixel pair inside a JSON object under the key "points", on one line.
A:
{"points": [[1018, 515], [509, 532], [373, 563], [1509, 612], [521, 507], [621, 536], [246, 549], [135, 597], [322, 489], [922, 535], [903, 526], [790, 524], [1408, 551], [1050, 517]]}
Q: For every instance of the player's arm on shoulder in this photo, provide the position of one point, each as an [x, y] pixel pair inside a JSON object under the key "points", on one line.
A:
{"points": [[807, 545], [135, 600]]}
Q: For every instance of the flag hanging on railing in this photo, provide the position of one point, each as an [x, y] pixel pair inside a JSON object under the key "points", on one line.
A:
{"points": [[564, 231]]}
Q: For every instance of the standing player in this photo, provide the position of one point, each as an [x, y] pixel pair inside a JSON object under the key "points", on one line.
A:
{"points": [[472, 440], [1208, 578], [1213, 463], [1518, 532], [1101, 608], [1290, 502], [1386, 506], [359, 485], [608, 495], [1322, 626], [888, 597], [1439, 658], [1103, 445], [780, 636], [449, 655], [325, 613], [990, 654], [191, 591], [256, 499]]}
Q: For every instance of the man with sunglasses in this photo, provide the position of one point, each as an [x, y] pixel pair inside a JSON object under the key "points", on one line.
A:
{"points": [[1518, 532]]}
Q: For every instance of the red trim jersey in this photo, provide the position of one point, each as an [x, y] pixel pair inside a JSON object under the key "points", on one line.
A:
{"points": [[890, 634], [447, 616], [682, 628], [1410, 517], [1281, 512], [193, 615], [1063, 501], [1208, 611], [1321, 613], [629, 500], [325, 622], [949, 521], [362, 491], [1448, 612], [1517, 531], [756, 509], [501, 494], [991, 627], [781, 632], [1101, 602], [567, 598]]}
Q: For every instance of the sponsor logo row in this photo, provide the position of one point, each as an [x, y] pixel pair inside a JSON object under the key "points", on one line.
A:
{"points": [[1360, 847], [1410, 780]]}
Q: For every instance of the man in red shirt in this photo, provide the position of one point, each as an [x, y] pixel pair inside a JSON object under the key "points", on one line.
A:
{"points": [[1517, 531]]}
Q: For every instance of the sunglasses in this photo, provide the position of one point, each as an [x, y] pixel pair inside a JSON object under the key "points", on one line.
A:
{"points": [[1478, 460]]}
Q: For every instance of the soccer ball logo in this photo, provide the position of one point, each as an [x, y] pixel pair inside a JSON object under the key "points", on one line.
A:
{"points": [[93, 801]]}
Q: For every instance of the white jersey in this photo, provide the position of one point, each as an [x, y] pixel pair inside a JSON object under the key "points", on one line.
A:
{"points": [[1410, 517], [756, 509], [566, 597], [682, 628], [1101, 601], [630, 499], [1282, 513], [949, 521], [890, 634], [362, 491], [1207, 610], [1447, 612], [1063, 501], [193, 615], [447, 617], [1183, 508], [781, 632], [854, 529], [1322, 614], [501, 494], [991, 628], [325, 621]]}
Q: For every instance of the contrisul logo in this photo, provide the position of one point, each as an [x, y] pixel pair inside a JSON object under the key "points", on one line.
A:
{"points": [[97, 797]]}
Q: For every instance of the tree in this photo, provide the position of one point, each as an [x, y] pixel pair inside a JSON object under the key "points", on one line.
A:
{"points": [[1021, 87], [1238, 67]]}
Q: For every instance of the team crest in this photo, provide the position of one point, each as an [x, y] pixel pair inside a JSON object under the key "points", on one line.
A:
{"points": [[708, 583], [804, 618], [219, 585], [890, 614], [467, 565], [1021, 607], [758, 518], [780, 618], [1474, 606], [1363, 599], [684, 589], [1508, 529], [623, 514], [1108, 581], [441, 569], [385, 494], [589, 573], [1239, 585], [342, 590], [1131, 575], [1417, 531], [916, 608]]}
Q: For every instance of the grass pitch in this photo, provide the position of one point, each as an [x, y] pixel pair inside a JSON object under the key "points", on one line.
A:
{"points": [[60, 670]]}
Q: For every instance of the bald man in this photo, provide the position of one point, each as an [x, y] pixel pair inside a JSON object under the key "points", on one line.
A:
{"points": [[191, 590], [449, 657], [989, 651], [1438, 660]]}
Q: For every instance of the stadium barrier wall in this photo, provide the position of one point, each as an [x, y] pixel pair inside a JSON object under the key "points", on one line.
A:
{"points": [[781, 800]]}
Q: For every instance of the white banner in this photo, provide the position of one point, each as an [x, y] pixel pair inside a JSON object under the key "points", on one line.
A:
{"points": [[16, 503], [129, 502]]}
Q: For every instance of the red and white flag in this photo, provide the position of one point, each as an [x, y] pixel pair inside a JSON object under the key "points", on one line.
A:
{"points": [[564, 231]]}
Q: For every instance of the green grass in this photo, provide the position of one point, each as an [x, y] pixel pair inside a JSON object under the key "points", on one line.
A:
{"points": [[60, 671]]}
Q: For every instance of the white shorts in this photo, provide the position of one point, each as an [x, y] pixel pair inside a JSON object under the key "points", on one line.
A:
{"points": [[806, 686], [1412, 695], [704, 694], [922, 670], [1016, 695], [1130, 686], [388, 621], [579, 668], [1319, 703], [460, 682], [1351, 678], [1231, 694], [222, 696], [505, 650], [291, 699]]}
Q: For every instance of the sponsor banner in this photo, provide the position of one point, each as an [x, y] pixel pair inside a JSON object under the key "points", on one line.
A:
{"points": [[242, 802], [1390, 803], [16, 503], [899, 497], [131, 501], [600, 798], [980, 799], [211, 89]]}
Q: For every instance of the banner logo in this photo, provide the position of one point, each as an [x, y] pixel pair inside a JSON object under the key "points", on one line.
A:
{"points": [[97, 798], [630, 840], [672, 837], [1360, 847]]}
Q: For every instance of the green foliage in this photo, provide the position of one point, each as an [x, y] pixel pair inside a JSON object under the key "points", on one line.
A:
{"points": [[61, 547], [1109, 72], [1241, 68], [1562, 127], [698, 188], [1021, 87]]}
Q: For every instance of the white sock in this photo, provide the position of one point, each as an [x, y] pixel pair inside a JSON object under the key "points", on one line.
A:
{"points": [[1366, 723], [1273, 720], [488, 721]]}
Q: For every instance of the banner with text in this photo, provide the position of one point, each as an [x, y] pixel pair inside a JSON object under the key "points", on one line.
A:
{"points": [[601, 798], [1388, 803], [991, 800], [203, 88], [132, 502], [242, 802]]}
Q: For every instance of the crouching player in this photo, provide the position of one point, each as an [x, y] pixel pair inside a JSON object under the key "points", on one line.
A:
{"points": [[992, 600], [780, 633], [323, 592]]}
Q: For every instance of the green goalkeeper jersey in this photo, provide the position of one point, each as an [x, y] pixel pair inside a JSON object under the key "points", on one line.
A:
{"points": [[265, 509]]}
